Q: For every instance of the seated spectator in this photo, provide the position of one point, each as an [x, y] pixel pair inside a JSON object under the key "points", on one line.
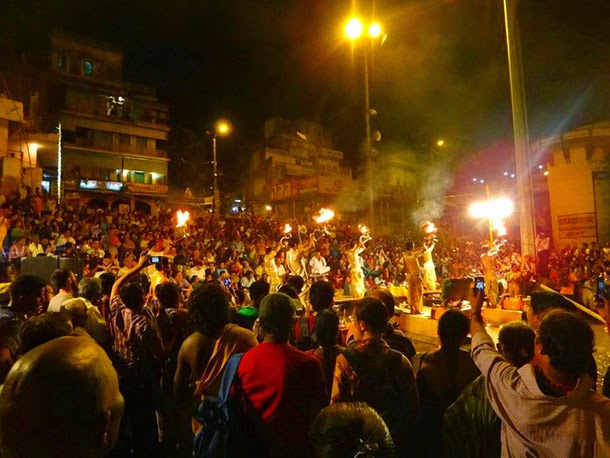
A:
{"points": [[61, 399], [370, 371], [441, 377], [394, 337], [281, 388], [548, 407], [471, 427], [348, 430], [327, 333]]}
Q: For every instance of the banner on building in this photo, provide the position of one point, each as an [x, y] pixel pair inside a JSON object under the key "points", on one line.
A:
{"points": [[577, 226]]}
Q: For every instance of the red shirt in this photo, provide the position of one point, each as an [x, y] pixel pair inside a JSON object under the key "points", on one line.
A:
{"points": [[285, 388]]}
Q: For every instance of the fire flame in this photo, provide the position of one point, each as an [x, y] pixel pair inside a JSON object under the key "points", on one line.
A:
{"points": [[325, 215], [363, 229], [498, 226], [429, 227], [287, 229], [182, 217]]}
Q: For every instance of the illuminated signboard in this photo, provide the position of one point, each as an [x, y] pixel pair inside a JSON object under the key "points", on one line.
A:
{"points": [[95, 184]]}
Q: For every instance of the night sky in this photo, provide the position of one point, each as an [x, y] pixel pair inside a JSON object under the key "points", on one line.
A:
{"points": [[441, 73]]}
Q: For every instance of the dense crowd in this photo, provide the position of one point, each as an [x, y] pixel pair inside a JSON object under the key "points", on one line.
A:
{"points": [[175, 333]]}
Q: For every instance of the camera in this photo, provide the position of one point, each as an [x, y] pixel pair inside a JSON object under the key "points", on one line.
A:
{"points": [[479, 283], [600, 295], [155, 259]]}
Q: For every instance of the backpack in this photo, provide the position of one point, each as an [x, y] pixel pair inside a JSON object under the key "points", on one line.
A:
{"points": [[221, 423], [377, 384]]}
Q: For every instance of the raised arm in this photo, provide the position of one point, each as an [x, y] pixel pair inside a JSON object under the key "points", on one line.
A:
{"points": [[122, 280]]}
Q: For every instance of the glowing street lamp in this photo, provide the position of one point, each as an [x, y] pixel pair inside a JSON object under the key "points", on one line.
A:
{"points": [[354, 28], [222, 128], [440, 142]]}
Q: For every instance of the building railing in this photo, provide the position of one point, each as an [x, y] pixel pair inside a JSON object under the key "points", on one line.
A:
{"points": [[121, 148]]}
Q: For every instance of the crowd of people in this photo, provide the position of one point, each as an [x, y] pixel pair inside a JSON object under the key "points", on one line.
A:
{"points": [[125, 357]]}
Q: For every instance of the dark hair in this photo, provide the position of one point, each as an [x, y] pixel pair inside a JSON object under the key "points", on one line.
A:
{"points": [[321, 295], [543, 301], [25, 285], [327, 328], [42, 329], [348, 429], [289, 291], [453, 328], [568, 341], [132, 296], [90, 288], [516, 340], [372, 311], [107, 279], [276, 316], [258, 290], [59, 278], [297, 282], [168, 294], [388, 300], [208, 305], [409, 245]]}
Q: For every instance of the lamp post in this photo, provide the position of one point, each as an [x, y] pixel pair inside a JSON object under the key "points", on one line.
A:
{"points": [[222, 128], [520, 131], [354, 30]]}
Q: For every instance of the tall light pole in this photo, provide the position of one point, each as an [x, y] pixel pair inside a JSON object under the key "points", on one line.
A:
{"points": [[520, 132], [354, 30], [221, 128]]}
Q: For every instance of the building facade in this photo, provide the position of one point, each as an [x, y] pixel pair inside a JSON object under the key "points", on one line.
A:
{"points": [[578, 184], [113, 133], [297, 171]]}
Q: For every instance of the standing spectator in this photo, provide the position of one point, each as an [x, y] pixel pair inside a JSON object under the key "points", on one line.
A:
{"points": [[471, 427], [64, 283], [394, 337], [327, 333], [138, 346], [281, 387], [442, 375], [27, 295], [350, 429], [90, 291], [74, 406], [547, 408], [370, 371]]}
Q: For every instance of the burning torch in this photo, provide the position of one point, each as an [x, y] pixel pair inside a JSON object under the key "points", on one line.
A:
{"points": [[183, 217], [324, 216], [430, 231], [287, 232], [365, 236]]}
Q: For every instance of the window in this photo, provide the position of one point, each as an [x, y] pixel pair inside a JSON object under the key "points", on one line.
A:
{"points": [[124, 139], [88, 67], [139, 177]]}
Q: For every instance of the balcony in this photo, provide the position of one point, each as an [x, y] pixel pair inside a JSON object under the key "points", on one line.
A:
{"points": [[121, 148]]}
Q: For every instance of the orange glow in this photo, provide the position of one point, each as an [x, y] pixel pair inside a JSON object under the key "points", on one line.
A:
{"points": [[429, 227], [363, 229], [182, 217], [287, 229]]}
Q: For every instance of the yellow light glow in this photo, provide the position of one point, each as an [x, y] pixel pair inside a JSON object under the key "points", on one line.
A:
{"points": [[363, 229], [440, 142], [429, 227], [353, 28], [325, 215], [34, 146], [498, 226], [287, 228], [492, 209], [223, 128], [268, 208], [374, 30]]}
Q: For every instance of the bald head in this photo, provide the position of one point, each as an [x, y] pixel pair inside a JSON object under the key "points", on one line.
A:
{"points": [[60, 399]]}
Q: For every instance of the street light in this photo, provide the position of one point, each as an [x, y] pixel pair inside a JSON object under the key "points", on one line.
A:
{"points": [[353, 31], [222, 128]]}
